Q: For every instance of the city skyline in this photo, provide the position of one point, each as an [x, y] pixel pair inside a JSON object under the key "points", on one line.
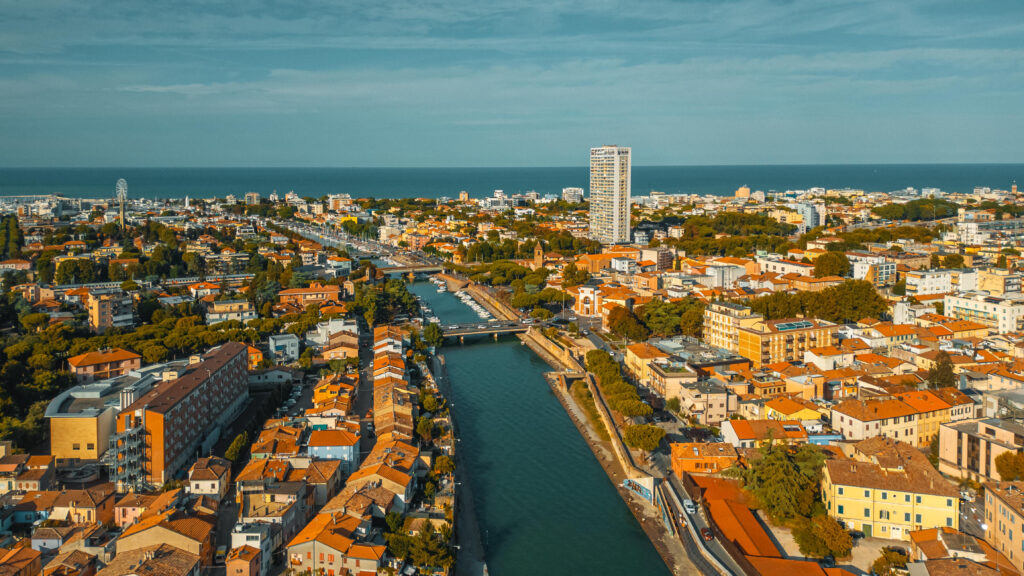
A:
{"points": [[687, 83]]}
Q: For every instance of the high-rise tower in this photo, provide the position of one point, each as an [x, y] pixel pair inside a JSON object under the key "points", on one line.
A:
{"points": [[610, 183], [122, 197]]}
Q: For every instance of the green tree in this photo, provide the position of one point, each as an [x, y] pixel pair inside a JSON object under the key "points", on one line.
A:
{"points": [[953, 261], [672, 405], [573, 276], [1001, 262], [941, 374], [831, 264], [890, 563], [33, 322], [1010, 466], [444, 465], [237, 447], [900, 288], [643, 436], [425, 429], [625, 324], [433, 335], [541, 313], [394, 522], [935, 261], [785, 482], [430, 403]]}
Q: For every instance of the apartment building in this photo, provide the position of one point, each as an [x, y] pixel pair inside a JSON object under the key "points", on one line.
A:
{"points": [[888, 418], [1002, 313], [316, 294], [998, 281], [610, 186], [969, 449], [226, 263], [888, 489], [722, 323], [103, 364], [83, 418], [756, 433], [638, 360], [709, 402], [224, 310], [1004, 520], [772, 341], [668, 377], [110, 311], [936, 407], [702, 457], [165, 429]]}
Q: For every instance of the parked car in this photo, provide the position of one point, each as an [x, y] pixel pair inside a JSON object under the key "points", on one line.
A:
{"points": [[689, 507], [707, 535], [856, 534], [829, 561]]}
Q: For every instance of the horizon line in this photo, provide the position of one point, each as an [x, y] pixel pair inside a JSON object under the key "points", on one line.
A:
{"points": [[299, 167]]}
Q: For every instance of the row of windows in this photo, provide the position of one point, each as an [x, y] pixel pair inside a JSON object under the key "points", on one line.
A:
{"points": [[886, 515], [885, 496]]}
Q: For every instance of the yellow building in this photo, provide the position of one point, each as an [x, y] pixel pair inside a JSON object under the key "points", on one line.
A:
{"points": [[788, 409], [934, 408], [638, 361], [722, 322], [1004, 513], [79, 438], [888, 489], [772, 341]]}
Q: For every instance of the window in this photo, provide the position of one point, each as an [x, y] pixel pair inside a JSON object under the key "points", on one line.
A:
{"points": [[906, 516], [949, 522], [90, 446], [884, 496], [906, 497], [917, 518], [918, 500], [840, 509], [867, 512], [867, 493], [76, 446], [949, 502], [883, 514], [840, 490]]}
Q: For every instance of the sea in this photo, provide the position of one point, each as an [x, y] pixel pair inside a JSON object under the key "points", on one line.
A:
{"points": [[164, 183]]}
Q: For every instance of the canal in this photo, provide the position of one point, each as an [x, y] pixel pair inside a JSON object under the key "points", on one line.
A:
{"points": [[544, 504]]}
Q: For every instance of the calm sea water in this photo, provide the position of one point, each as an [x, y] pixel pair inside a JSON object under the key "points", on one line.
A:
{"points": [[479, 182], [543, 502]]}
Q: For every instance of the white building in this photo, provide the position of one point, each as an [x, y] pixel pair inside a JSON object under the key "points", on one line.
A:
{"points": [[572, 195], [610, 188], [1003, 313], [922, 282], [284, 347]]}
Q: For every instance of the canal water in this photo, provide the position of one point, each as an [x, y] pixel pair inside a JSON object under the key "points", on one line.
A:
{"points": [[544, 504]]}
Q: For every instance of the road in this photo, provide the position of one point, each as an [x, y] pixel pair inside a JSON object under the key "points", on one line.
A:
{"points": [[699, 521], [972, 517]]}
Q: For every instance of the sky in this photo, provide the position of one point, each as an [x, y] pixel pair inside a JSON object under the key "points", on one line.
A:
{"points": [[524, 83]]}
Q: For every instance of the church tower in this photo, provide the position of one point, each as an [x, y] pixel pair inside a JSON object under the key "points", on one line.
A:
{"points": [[538, 255]]}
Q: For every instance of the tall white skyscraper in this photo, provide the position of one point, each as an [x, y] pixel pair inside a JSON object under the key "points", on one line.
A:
{"points": [[610, 183]]}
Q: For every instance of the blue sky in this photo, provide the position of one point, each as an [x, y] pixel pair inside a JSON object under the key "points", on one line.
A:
{"points": [[526, 83]]}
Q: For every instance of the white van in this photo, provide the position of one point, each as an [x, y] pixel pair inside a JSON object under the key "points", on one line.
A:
{"points": [[689, 507]]}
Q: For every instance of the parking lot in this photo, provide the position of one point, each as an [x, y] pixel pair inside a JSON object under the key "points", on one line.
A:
{"points": [[865, 550]]}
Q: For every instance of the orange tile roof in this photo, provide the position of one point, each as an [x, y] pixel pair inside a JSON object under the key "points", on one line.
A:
{"points": [[332, 438], [923, 401], [101, 357]]}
